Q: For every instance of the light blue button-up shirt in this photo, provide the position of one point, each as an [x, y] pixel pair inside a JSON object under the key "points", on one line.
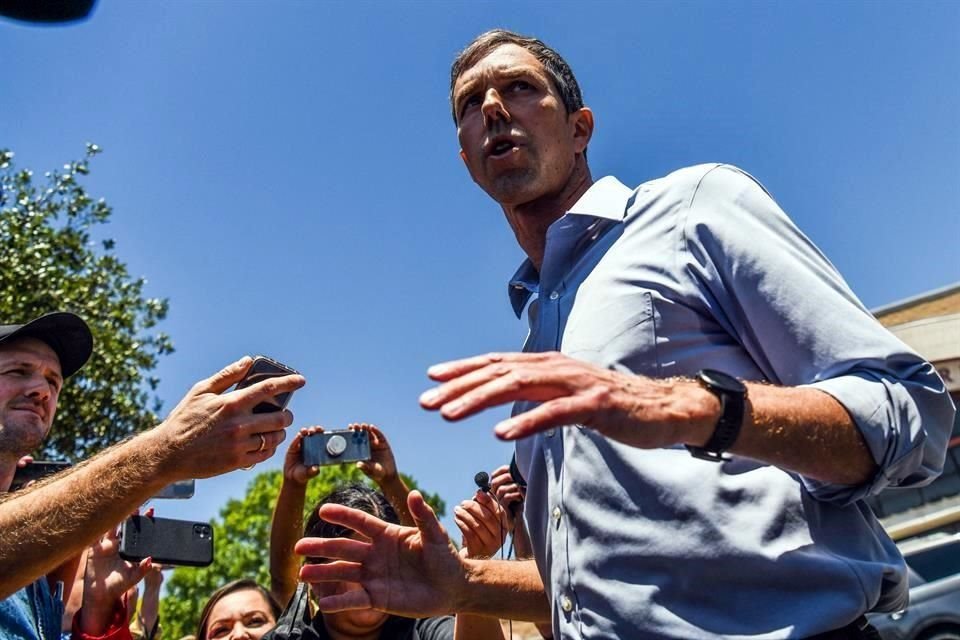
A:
{"points": [[702, 269]]}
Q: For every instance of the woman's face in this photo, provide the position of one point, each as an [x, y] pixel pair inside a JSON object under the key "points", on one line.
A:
{"points": [[243, 614]]}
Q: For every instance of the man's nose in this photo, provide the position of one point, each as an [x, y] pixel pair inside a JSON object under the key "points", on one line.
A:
{"points": [[38, 388], [493, 108]]}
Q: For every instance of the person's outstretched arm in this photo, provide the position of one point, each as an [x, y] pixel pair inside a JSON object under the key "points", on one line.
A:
{"points": [[53, 520], [287, 525], [483, 523]]}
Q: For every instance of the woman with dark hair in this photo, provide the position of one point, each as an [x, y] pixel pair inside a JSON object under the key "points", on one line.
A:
{"points": [[363, 624], [238, 609]]}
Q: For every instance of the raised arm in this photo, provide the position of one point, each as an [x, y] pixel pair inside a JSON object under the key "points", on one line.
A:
{"points": [[382, 469], [287, 524], [47, 523]]}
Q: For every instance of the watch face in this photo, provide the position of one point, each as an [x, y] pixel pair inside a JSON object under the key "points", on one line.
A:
{"points": [[721, 380]]}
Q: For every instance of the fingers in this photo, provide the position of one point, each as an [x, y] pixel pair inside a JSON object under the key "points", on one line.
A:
{"points": [[480, 533], [341, 549], [349, 600], [332, 572], [353, 519], [377, 439], [372, 470], [426, 520], [225, 378], [24, 461], [549, 415], [265, 390], [485, 509], [455, 368]]}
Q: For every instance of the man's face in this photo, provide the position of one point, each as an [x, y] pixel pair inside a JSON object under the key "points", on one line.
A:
{"points": [[516, 137], [30, 382]]}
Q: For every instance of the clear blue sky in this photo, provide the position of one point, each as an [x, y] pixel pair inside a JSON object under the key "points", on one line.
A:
{"points": [[287, 172]]}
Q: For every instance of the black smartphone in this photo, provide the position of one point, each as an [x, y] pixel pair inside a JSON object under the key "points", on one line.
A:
{"points": [[36, 470], [336, 447], [174, 542], [261, 369]]}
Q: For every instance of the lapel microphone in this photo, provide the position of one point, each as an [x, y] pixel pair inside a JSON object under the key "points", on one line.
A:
{"points": [[482, 480]]}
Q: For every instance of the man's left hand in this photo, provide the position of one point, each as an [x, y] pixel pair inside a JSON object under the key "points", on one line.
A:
{"points": [[638, 411]]}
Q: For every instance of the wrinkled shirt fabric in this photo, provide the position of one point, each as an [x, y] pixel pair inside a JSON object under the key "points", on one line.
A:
{"points": [[32, 613], [702, 269]]}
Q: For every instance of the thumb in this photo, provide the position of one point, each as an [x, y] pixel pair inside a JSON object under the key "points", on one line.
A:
{"points": [[226, 377], [426, 520]]}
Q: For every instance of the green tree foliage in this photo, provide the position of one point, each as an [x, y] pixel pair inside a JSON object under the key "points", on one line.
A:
{"points": [[242, 542], [50, 263]]}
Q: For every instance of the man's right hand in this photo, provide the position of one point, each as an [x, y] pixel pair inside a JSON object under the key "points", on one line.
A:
{"points": [[212, 432], [409, 571]]}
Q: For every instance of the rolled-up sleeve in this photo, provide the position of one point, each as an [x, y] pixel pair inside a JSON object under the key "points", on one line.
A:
{"points": [[791, 310]]}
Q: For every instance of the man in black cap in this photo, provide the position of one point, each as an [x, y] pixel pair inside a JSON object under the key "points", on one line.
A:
{"points": [[35, 358], [208, 433]]}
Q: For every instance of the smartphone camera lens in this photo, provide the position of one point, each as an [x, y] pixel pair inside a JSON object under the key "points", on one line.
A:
{"points": [[202, 531]]}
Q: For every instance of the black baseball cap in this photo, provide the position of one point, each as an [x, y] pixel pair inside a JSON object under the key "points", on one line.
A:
{"points": [[67, 334]]}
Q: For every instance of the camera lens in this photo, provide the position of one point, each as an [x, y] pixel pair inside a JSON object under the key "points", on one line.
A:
{"points": [[336, 445]]}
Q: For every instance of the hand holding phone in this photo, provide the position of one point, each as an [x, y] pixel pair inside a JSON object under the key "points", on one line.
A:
{"points": [[336, 447], [36, 470], [261, 369]]}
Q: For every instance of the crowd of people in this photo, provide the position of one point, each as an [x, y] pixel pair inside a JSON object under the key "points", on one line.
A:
{"points": [[700, 409]]}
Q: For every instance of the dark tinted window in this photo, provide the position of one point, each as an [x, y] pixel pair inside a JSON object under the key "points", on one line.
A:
{"points": [[937, 562]]}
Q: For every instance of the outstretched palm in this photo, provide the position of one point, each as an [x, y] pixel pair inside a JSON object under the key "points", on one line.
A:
{"points": [[410, 571]]}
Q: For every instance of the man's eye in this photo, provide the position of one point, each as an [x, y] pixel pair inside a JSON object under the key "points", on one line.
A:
{"points": [[520, 85], [471, 101]]}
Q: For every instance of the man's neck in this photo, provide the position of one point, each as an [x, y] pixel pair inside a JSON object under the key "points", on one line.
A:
{"points": [[531, 220]]}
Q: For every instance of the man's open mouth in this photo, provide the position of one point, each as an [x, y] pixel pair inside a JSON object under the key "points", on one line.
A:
{"points": [[502, 148]]}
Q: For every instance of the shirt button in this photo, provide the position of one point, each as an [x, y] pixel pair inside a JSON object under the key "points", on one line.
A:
{"points": [[557, 514], [554, 295], [566, 604]]}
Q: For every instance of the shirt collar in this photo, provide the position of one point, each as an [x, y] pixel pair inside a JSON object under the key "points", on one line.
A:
{"points": [[606, 198]]}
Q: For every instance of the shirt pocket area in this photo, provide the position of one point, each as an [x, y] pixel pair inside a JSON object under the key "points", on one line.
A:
{"points": [[617, 333]]}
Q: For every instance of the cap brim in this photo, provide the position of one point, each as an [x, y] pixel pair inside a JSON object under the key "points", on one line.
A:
{"points": [[67, 334]]}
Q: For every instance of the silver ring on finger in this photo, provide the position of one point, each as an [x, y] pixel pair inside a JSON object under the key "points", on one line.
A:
{"points": [[263, 443]]}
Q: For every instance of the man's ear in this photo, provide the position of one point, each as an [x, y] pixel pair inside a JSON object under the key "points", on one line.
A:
{"points": [[463, 156], [582, 122]]}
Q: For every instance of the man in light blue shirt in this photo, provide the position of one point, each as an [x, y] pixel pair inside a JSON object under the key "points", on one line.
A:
{"points": [[687, 316]]}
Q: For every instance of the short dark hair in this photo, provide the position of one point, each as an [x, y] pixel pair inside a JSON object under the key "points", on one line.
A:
{"points": [[243, 584], [356, 496], [560, 72]]}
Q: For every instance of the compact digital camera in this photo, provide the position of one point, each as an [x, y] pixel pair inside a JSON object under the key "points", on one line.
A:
{"points": [[336, 447]]}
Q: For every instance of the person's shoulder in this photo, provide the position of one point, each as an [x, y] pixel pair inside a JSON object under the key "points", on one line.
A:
{"points": [[435, 628], [715, 176]]}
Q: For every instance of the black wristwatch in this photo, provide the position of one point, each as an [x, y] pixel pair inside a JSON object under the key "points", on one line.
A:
{"points": [[732, 395]]}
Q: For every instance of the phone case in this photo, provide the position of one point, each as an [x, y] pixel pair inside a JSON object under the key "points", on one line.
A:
{"points": [[335, 447], [167, 541], [36, 470], [261, 369]]}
